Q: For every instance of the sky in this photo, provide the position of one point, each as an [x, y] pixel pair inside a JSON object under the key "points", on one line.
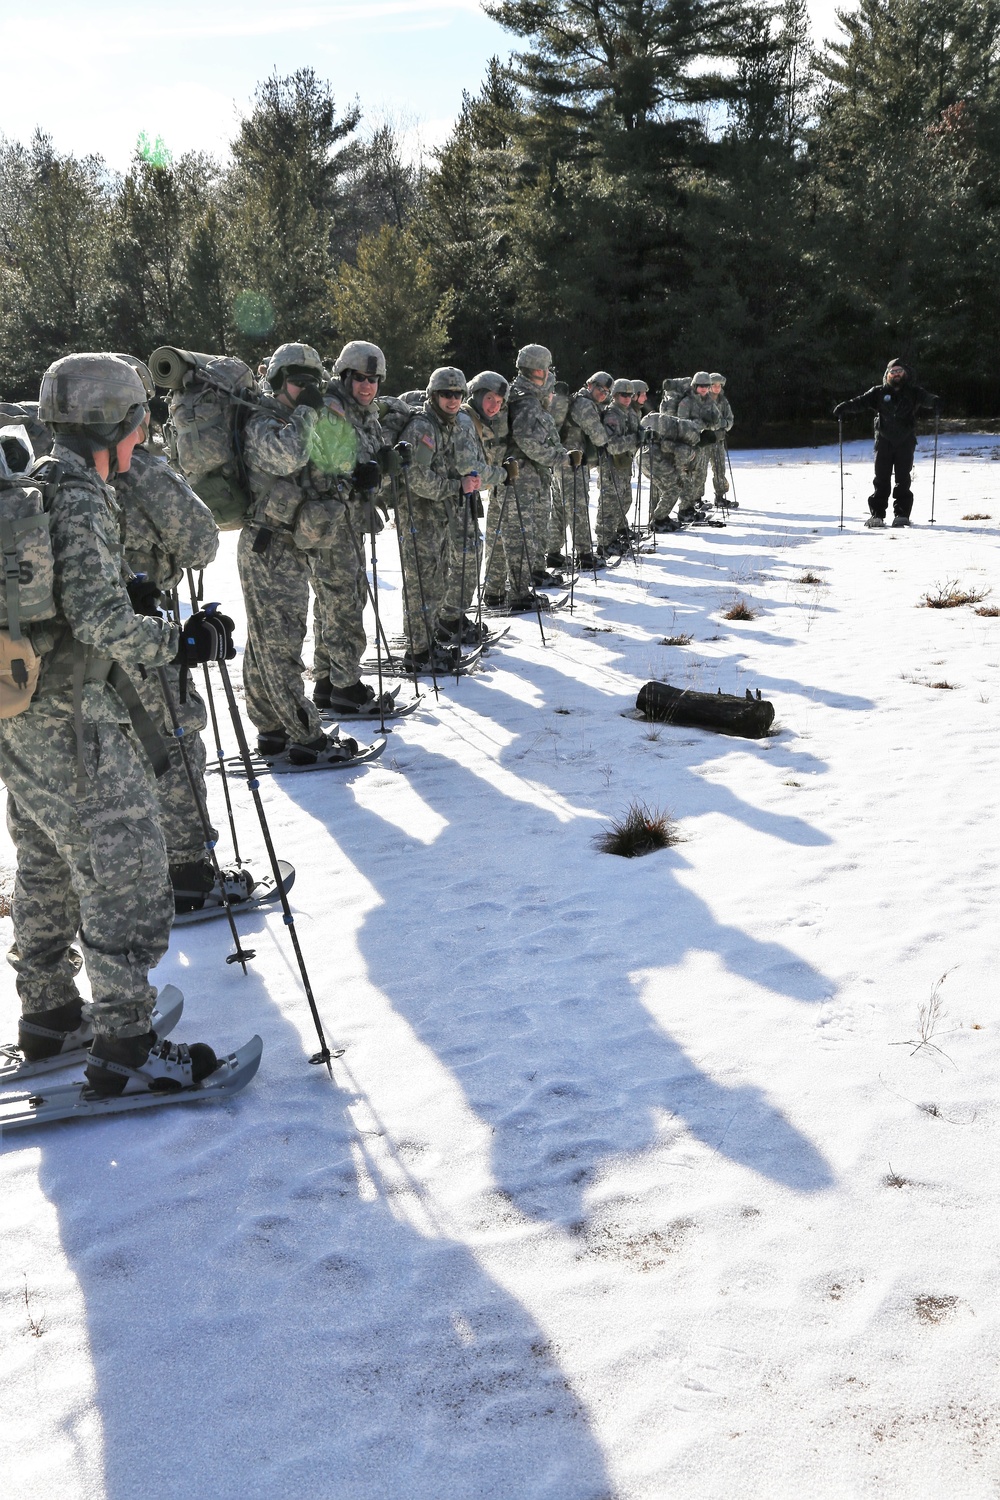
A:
{"points": [[94, 76]]}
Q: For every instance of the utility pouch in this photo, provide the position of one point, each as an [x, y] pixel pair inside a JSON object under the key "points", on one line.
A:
{"points": [[19, 668]]}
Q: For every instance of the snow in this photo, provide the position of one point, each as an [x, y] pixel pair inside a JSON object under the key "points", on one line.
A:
{"points": [[633, 1180]]}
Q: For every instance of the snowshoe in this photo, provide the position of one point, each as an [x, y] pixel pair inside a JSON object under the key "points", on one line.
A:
{"points": [[48, 1033], [901, 521], [132, 1064], [589, 562], [666, 523], [874, 522], [546, 580], [325, 747], [263, 890], [195, 885], [16, 1065], [358, 702]]}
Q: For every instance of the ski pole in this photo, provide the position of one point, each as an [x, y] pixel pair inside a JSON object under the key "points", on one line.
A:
{"points": [[514, 471], [575, 466], [840, 425], [645, 441], [242, 955], [501, 510], [220, 754], [464, 499], [610, 468], [937, 418], [394, 484], [324, 1055], [373, 599], [405, 454], [732, 476]]}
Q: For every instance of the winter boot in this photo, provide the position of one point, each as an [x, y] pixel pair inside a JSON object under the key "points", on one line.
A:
{"points": [[195, 885], [272, 742], [494, 601], [326, 747], [589, 562], [873, 522], [555, 561], [666, 523], [46, 1033], [138, 1063], [321, 692], [546, 580], [901, 521]]}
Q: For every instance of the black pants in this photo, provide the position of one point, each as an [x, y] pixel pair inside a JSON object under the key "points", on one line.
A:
{"points": [[892, 457]]}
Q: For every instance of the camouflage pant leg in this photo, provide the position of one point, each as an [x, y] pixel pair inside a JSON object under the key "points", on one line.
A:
{"points": [[423, 544], [276, 592], [613, 502], [666, 481], [693, 481], [179, 819], [95, 861], [495, 581], [719, 479], [338, 580], [570, 492], [525, 550], [461, 583]]}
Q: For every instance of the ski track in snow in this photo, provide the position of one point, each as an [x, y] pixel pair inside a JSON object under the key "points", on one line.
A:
{"points": [[626, 1186]]}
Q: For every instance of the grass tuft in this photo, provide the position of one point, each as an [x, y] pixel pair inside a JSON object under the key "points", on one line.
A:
{"points": [[950, 596], [990, 612], [949, 686], [677, 640], [809, 578], [741, 609], [977, 515], [642, 830]]}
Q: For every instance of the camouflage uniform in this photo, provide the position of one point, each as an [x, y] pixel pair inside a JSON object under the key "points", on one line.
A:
{"points": [[704, 411], [168, 529], [585, 432], [719, 479], [667, 457], [492, 433], [91, 857], [534, 442], [336, 572], [274, 571], [615, 472], [430, 515]]}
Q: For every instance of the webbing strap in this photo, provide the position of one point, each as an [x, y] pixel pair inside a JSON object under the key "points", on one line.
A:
{"points": [[151, 739]]}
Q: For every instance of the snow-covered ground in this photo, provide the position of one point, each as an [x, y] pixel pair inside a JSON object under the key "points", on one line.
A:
{"points": [[634, 1181]]}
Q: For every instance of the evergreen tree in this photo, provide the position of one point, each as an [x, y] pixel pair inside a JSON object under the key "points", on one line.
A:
{"points": [[390, 297]]}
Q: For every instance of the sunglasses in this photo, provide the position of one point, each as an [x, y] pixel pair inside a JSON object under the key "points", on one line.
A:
{"points": [[450, 395], [360, 379]]}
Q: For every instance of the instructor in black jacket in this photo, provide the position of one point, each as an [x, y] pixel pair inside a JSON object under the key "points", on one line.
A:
{"points": [[895, 403]]}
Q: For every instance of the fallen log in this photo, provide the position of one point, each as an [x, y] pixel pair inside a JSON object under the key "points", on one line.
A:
{"points": [[724, 713]]}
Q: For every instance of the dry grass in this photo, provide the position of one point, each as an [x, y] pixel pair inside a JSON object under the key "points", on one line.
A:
{"points": [[948, 686], [990, 612], [741, 609], [677, 640], [642, 830], [977, 516], [809, 578], [950, 596], [934, 1309]]}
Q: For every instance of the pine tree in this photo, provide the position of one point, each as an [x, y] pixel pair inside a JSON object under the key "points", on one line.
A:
{"points": [[390, 297]]}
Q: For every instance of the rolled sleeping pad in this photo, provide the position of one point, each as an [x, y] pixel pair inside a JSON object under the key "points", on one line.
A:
{"points": [[168, 366], [725, 713]]}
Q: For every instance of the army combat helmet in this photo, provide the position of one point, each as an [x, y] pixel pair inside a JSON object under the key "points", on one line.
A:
{"points": [[448, 379], [701, 377], [489, 380], [96, 399], [291, 360], [622, 388], [364, 359], [716, 379]]}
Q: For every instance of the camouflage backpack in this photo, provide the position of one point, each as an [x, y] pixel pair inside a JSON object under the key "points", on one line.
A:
{"points": [[211, 397], [26, 599]]}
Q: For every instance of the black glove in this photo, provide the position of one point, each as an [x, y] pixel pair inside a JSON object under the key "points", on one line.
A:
{"points": [[389, 461], [367, 476], [405, 452], [144, 594], [206, 636], [310, 395], [840, 410], [707, 437]]}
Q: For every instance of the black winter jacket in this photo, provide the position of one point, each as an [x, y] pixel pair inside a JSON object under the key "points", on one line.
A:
{"points": [[895, 408]]}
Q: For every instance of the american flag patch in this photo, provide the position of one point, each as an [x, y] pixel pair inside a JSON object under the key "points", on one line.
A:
{"points": [[425, 437]]}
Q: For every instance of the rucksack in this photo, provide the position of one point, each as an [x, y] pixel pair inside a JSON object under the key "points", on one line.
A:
{"points": [[211, 398], [26, 594]]}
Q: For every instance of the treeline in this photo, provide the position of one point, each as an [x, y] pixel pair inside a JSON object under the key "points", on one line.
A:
{"points": [[649, 185]]}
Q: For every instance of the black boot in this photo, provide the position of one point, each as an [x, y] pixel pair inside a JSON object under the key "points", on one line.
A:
{"points": [[272, 742], [555, 561], [323, 747], [357, 695], [143, 1062], [321, 692], [45, 1033], [494, 601]]}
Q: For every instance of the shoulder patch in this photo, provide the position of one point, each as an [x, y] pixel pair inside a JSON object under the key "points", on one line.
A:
{"points": [[425, 437]]}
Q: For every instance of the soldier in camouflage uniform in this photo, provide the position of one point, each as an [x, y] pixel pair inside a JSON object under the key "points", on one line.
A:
{"points": [[337, 570], [615, 470], [535, 445], [486, 409], [555, 537], [640, 400], [167, 529], [448, 465], [698, 406], [720, 482], [669, 453], [583, 432], [80, 808], [292, 515]]}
